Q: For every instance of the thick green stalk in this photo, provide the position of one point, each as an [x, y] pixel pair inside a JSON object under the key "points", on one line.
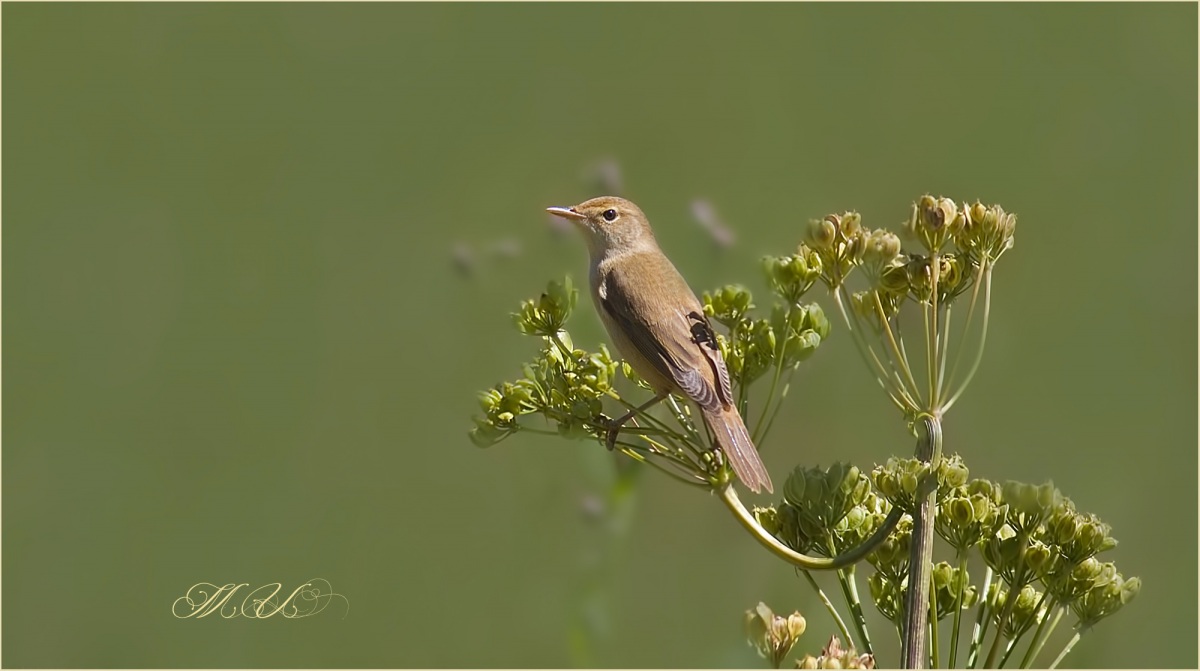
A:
{"points": [[730, 498], [920, 563]]}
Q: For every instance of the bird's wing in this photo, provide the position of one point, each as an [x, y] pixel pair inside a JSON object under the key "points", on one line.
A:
{"points": [[674, 336]]}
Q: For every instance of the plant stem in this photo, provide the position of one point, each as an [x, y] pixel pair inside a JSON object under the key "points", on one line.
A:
{"points": [[933, 629], [683, 419], [962, 586], [987, 309], [920, 563], [1013, 643], [1070, 644], [967, 324], [787, 385], [631, 451], [837, 618], [900, 356], [1010, 602], [730, 498], [899, 396], [935, 267], [850, 592], [781, 339], [1040, 638], [982, 620]]}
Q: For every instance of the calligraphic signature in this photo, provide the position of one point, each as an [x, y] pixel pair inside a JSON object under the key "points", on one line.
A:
{"points": [[232, 600]]}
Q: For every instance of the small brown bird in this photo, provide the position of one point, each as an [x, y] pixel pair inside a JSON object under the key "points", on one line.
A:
{"points": [[658, 325]]}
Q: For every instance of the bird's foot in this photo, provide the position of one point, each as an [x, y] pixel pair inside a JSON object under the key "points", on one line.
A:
{"points": [[610, 438]]}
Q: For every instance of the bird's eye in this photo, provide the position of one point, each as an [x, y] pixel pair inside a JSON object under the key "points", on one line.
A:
{"points": [[610, 215]]}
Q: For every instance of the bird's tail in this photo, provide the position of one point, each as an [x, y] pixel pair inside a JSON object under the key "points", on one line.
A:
{"points": [[734, 440]]}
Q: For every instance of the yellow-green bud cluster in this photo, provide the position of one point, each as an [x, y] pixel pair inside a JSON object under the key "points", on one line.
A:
{"points": [[948, 584], [833, 656], [1105, 599], [565, 387], [839, 242], [1028, 610], [970, 513], [755, 346], [899, 480], [547, 315], [564, 384], [790, 277], [823, 499], [773, 636]]}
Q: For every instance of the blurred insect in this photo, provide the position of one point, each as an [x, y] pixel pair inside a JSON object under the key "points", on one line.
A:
{"points": [[463, 259], [603, 178], [706, 215]]}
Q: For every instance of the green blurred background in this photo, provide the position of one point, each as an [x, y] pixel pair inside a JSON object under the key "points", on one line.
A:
{"points": [[237, 349]]}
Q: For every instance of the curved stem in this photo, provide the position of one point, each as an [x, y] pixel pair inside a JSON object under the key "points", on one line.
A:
{"points": [[730, 498], [987, 309], [837, 618]]}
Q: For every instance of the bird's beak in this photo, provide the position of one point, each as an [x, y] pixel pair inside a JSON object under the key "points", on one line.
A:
{"points": [[566, 213]]}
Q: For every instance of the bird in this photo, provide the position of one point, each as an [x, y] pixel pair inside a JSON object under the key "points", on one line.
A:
{"points": [[658, 326]]}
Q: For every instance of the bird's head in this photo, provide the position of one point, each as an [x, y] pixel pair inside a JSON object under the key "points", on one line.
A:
{"points": [[609, 224]]}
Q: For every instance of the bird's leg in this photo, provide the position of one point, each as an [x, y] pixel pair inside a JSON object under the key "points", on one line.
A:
{"points": [[614, 427]]}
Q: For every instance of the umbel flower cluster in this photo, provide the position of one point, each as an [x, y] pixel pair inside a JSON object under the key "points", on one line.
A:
{"points": [[1041, 555], [1033, 541], [563, 389]]}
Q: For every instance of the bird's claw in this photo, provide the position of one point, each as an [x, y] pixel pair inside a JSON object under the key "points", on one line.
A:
{"points": [[610, 438]]}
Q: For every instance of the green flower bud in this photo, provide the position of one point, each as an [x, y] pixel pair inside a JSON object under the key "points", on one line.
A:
{"points": [[890, 559], [888, 598], [931, 222], [1029, 610], [893, 278], [547, 315], [822, 499], [1030, 505], [1105, 599], [822, 233], [986, 233], [947, 583]]}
